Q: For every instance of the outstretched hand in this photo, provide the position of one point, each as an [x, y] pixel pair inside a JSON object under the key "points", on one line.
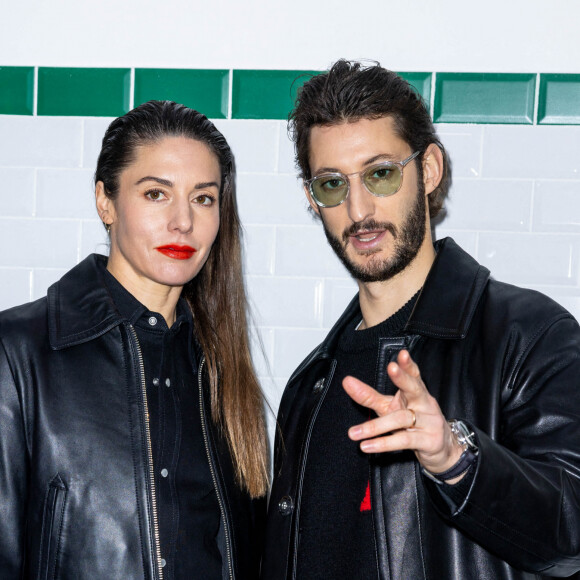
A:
{"points": [[411, 419]]}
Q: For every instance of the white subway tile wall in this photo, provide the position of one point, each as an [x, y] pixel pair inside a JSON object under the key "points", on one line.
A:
{"points": [[514, 205]]}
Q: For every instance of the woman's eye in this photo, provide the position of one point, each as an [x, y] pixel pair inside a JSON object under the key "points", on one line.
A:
{"points": [[204, 199], [154, 194]]}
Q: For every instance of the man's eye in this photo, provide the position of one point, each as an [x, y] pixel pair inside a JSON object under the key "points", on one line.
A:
{"points": [[381, 173], [333, 183]]}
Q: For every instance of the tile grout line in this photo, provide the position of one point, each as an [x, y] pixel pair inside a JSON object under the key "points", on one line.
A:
{"points": [[35, 93], [79, 241], [34, 192], [432, 96], [277, 156], [274, 253], [533, 201], [132, 89], [483, 135], [536, 100], [83, 124], [45, 268], [230, 92]]}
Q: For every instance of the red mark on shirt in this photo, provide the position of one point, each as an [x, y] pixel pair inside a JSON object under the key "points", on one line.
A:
{"points": [[365, 504]]}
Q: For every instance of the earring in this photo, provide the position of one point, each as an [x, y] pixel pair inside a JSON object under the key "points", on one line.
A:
{"points": [[107, 227]]}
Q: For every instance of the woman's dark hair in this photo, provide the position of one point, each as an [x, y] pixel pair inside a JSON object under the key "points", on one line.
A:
{"points": [[349, 92], [216, 295]]}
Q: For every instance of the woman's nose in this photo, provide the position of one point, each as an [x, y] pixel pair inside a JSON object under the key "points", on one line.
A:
{"points": [[181, 218]]}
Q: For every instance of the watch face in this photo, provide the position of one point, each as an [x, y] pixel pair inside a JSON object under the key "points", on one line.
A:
{"points": [[465, 436]]}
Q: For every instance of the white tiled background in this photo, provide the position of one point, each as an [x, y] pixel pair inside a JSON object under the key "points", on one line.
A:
{"points": [[514, 205]]}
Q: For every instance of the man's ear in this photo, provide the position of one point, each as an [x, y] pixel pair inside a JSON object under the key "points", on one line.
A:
{"points": [[105, 205], [432, 168], [313, 205]]}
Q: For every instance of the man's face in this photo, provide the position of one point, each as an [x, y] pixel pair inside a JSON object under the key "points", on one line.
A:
{"points": [[375, 238]]}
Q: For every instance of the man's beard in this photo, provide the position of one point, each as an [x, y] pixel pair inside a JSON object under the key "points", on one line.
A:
{"points": [[407, 243]]}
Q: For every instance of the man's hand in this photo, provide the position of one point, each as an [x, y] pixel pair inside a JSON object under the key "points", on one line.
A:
{"points": [[411, 419]]}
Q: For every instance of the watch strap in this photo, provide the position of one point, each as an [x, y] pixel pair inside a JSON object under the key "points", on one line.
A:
{"points": [[466, 460]]}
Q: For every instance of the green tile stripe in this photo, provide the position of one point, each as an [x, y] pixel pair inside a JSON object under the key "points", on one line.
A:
{"points": [[484, 98], [269, 94], [265, 94], [204, 90], [559, 99], [16, 90], [93, 92]]}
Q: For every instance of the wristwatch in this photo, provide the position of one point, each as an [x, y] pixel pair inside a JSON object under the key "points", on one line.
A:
{"points": [[463, 435], [466, 438]]}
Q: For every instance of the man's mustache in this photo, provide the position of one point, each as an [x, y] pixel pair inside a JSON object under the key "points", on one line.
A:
{"points": [[367, 226]]}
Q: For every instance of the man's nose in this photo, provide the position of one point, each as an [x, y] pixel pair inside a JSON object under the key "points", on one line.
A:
{"points": [[360, 203]]}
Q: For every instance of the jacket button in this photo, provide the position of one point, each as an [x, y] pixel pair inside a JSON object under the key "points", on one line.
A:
{"points": [[318, 386], [286, 505]]}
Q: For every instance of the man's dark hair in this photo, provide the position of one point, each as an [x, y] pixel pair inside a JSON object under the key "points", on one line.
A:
{"points": [[350, 91]]}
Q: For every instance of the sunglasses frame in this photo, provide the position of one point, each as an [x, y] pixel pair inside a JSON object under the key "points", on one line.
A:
{"points": [[345, 176]]}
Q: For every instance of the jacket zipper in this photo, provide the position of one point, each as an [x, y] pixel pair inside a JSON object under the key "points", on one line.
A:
{"points": [[150, 456], [327, 380], [212, 471]]}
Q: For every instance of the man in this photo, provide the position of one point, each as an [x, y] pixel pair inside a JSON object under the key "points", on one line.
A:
{"points": [[435, 433]]}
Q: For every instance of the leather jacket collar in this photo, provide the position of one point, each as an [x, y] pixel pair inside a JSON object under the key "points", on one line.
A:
{"points": [[442, 310], [79, 305]]}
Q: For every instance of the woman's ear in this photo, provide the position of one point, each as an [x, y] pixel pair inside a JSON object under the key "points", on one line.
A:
{"points": [[432, 168], [105, 205]]}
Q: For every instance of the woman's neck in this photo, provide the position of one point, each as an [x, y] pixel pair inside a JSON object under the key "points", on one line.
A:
{"points": [[155, 297]]}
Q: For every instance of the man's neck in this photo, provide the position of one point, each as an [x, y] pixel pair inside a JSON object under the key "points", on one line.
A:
{"points": [[380, 300]]}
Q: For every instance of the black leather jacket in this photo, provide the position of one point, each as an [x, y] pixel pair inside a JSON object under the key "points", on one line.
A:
{"points": [[507, 362], [76, 497]]}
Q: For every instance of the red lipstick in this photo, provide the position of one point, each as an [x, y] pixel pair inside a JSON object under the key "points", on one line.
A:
{"points": [[176, 252]]}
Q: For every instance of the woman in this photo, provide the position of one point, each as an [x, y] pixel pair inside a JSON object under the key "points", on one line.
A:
{"points": [[132, 437]]}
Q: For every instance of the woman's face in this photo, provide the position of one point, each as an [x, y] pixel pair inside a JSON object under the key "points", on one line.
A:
{"points": [[166, 216]]}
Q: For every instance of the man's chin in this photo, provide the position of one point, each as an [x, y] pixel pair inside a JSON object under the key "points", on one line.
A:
{"points": [[368, 270]]}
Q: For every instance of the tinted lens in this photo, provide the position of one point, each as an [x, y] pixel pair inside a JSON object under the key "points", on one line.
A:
{"points": [[383, 179], [329, 190]]}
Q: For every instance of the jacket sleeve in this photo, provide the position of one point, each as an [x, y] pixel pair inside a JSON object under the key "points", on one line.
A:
{"points": [[524, 501], [13, 473]]}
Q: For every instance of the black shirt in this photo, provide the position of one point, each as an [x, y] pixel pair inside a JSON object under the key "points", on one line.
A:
{"points": [[187, 508], [337, 537]]}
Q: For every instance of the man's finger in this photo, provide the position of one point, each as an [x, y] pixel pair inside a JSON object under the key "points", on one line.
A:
{"points": [[408, 364], [401, 419], [366, 396], [406, 376]]}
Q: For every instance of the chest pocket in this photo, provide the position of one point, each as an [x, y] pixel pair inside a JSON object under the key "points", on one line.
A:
{"points": [[52, 521], [389, 349]]}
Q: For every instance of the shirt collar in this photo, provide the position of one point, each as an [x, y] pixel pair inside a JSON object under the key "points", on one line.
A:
{"points": [[136, 313]]}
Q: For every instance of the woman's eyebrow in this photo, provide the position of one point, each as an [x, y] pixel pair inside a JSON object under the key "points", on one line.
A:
{"points": [[206, 184], [159, 180], [167, 183]]}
